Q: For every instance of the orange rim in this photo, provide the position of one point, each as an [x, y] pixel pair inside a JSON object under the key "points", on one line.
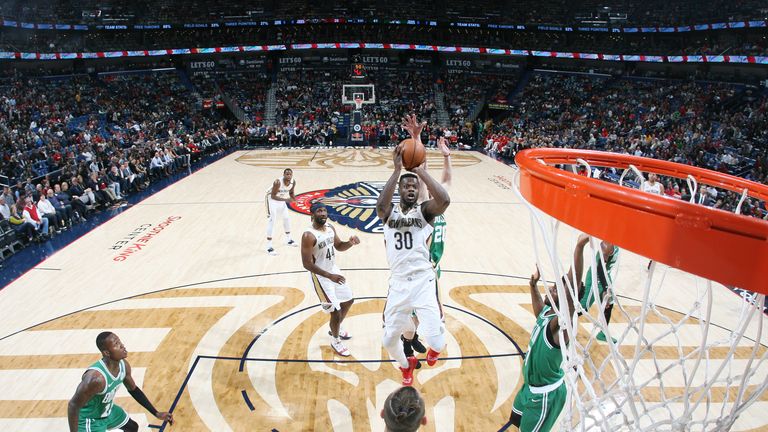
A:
{"points": [[715, 244]]}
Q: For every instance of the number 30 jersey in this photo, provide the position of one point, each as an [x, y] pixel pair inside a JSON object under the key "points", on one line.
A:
{"points": [[406, 236]]}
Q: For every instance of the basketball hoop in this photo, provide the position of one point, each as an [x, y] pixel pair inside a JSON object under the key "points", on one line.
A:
{"points": [[666, 370]]}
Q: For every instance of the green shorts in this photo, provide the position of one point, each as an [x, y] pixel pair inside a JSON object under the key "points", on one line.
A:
{"points": [[539, 411], [589, 298], [116, 419]]}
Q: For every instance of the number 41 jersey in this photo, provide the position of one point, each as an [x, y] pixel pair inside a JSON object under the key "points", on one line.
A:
{"points": [[323, 252], [406, 236]]}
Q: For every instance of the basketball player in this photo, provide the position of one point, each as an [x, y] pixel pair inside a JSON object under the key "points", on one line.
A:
{"points": [[404, 411], [652, 185], [412, 283], [318, 254], [92, 408], [542, 397], [410, 338], [278, 196], [608, 258]]}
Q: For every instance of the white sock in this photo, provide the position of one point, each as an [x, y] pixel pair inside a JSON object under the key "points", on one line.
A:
{"points": [[269, 244]]}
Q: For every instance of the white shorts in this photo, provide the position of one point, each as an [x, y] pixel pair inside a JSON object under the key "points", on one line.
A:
{"points": [[331, 294], [416, 294], [276, 208]]}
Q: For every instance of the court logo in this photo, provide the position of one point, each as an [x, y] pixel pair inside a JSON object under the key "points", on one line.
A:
{"points": [[351, 391], [501, 181], [352, 205]]}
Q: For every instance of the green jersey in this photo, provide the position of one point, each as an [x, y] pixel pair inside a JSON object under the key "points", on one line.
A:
{"points": [[437, 245], [603, 280], [100, 405], [543, 362]]}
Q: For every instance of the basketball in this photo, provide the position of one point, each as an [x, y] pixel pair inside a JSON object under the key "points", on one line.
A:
{"points": [[413, 154]]}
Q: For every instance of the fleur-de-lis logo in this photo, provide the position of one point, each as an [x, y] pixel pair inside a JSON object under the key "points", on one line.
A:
{"points": [[352, 205], [327, 392]]}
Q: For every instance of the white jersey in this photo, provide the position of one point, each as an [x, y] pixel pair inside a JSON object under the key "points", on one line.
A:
{"points": [[651, 188], [323, 252], [283, 191], [406, 237]]}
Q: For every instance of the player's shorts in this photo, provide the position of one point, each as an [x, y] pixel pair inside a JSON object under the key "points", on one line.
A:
{"points": [[116, 419], [416, 294], [539, 410], [331, 294], [276, 208], [588, 298]]}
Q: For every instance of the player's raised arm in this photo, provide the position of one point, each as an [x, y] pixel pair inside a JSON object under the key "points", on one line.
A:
{"points": [[341, 246], [91, 384], [384, 203], [578, 258], [536, 301], [442, 145], [411, 124], [141, 398], [423, 192], [578, 269], [440, 199]]}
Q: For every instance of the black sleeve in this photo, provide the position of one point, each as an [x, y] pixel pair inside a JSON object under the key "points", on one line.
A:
{"points": [[141, 398]]}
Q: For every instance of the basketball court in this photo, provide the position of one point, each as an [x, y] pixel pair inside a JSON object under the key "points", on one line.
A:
{"points": [[232, 339]]}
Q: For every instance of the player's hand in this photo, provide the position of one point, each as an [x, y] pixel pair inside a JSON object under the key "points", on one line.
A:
{"points": [[354, 240], [419, 170], [337, 278], [442, 144], [535, 277], [583, 240], [165, 416], [397, 157], [412, 125]]}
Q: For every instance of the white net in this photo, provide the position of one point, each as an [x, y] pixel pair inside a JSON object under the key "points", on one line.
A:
{"points": [[358, 100], [680, 353]]}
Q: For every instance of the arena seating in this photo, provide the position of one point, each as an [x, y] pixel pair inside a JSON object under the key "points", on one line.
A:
{"points": [[712, 125]]}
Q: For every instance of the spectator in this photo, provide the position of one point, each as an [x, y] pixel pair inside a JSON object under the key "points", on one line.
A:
{"points": [[5, 209], [32, 217], [63, 212], [46, 210], [25, 229], [76, 206]]}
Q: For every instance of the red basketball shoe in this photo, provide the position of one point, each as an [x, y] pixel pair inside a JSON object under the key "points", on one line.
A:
{"points": [[432, 357], [408, 372]]}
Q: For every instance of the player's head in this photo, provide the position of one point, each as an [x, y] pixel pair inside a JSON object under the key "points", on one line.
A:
{"points": [[287, 174], [567, 285], [653, 177], [408, 188], [111, 346], [404, 410], [319, 213]]}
